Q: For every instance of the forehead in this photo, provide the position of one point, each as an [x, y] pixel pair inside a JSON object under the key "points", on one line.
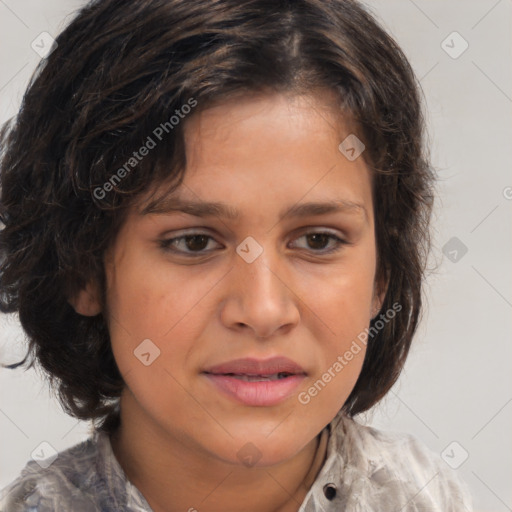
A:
{"points": [[268, 149]]}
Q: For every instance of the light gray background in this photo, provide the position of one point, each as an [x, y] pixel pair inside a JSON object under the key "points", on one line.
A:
{"points": [[457, 384]]}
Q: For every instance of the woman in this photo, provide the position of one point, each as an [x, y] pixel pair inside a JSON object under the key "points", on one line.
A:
{"points": [[216, 246]]}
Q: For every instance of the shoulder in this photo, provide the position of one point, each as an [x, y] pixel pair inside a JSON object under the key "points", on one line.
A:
{"points": [[395, 469], [67, 483]]}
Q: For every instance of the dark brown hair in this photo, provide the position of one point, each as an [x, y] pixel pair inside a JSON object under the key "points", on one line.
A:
{"points": [[122, 68]]}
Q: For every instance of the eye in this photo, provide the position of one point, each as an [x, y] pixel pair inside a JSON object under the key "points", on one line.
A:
{"points": [[319, 240], [196, 244], [187, 244]]}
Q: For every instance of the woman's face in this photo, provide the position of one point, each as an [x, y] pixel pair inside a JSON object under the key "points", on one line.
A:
{"points": [[258, 284]]}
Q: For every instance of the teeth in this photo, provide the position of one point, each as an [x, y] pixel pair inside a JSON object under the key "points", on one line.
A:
{"points": [[260, 378]]}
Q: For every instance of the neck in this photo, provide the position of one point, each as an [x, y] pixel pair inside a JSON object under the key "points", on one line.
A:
{"points": [[175, 475]]}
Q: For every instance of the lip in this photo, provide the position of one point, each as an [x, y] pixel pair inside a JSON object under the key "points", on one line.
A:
{"points": [[256, 393], [252, 366]]}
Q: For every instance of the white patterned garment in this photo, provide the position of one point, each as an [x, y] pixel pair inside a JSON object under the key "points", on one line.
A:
{"points": [[366, 470]]}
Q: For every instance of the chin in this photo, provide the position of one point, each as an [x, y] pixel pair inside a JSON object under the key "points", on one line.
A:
{"points": [[258, 450]]}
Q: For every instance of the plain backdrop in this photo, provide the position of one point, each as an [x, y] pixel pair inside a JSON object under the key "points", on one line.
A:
{"points": [[456, 390]]}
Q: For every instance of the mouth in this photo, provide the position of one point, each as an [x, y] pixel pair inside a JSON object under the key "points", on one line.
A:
{"points": [[257, 382], [257, 378], [276, 367]]}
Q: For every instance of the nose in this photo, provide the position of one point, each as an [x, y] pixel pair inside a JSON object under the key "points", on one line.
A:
{"points": [[261, 299]]}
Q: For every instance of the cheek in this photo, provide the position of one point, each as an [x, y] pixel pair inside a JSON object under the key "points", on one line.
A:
{"points": [[149, 300], [341, 296], [341, 354], [136, 297], [342, 305]]}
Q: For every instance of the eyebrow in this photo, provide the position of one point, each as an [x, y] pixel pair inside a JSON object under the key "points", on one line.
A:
{"points": [[221, 210]]}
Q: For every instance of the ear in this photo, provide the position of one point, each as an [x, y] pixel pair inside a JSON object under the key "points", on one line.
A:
{"points": [[379, 294], [87, 301]]}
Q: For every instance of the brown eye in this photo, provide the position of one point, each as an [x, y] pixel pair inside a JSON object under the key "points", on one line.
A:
{"points": [[193, 244], [318, 241], [196, 242]]}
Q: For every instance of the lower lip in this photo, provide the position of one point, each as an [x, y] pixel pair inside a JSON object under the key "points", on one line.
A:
{"points": [[257, 393]]}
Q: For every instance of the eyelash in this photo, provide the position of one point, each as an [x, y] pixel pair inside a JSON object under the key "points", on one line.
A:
{"points": [[165, 244]]}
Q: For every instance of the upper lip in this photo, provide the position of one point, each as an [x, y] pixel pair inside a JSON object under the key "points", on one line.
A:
{"points": [[250, 366]]}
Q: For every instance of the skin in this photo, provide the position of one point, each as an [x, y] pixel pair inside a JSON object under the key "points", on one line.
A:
{"points": [[179, 435]]}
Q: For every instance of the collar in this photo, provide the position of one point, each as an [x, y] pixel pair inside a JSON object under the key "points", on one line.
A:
{"points": [[347, 477], [345, 473], [124, 495]]}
